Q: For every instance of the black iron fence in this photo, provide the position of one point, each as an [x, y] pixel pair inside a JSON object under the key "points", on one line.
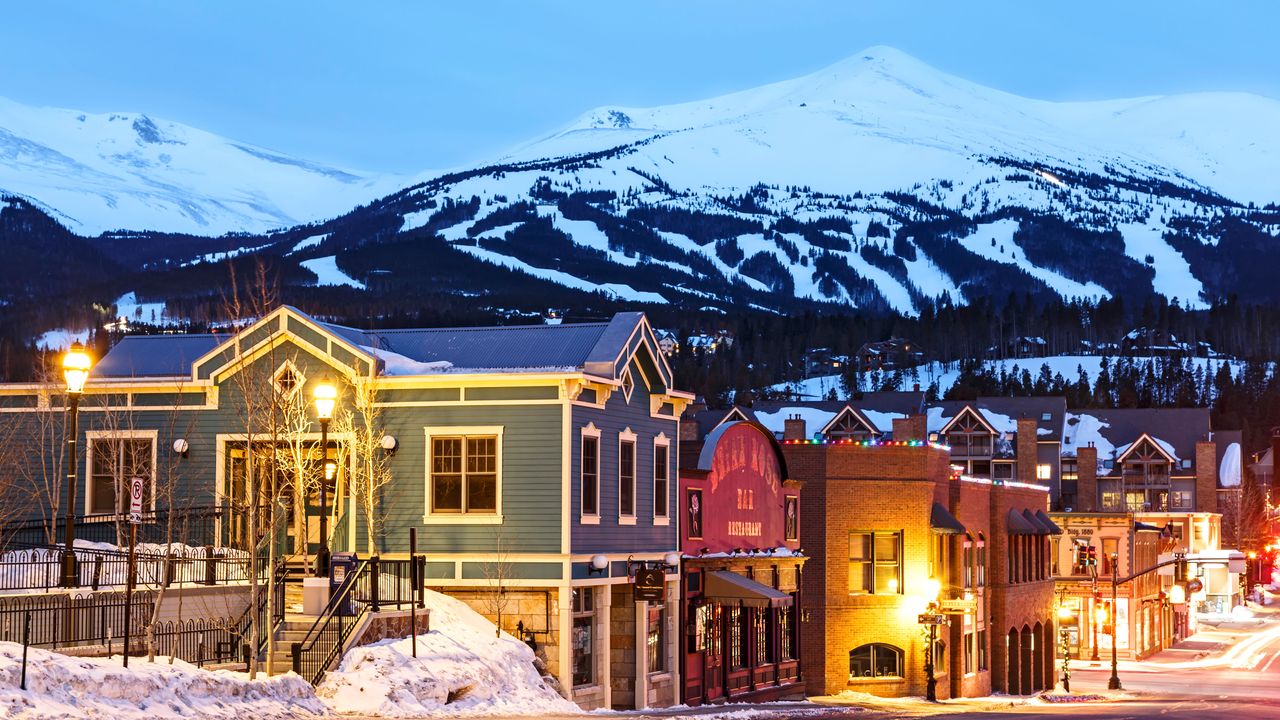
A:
{"points": [[199, 641], [65, 620], [391, 583], [324, 640]]}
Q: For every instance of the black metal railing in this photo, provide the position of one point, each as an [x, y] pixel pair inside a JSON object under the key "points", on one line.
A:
{"points": [[194, 525], [198, 641], [39, 568], [391, 583], [65, 620], [329, 633]]}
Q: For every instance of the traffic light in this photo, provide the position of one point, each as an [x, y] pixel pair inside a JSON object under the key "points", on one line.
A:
{"points": [[1093, 556], [1180, 572]]}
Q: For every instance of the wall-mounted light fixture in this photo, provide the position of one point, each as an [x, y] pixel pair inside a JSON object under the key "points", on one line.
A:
{"points": [[671, 560], [181, 446], [389, 444], [599, 564]]}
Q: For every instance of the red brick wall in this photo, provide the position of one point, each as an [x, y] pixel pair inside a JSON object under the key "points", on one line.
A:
{"points": [[1087, 485], [1026, 449]]}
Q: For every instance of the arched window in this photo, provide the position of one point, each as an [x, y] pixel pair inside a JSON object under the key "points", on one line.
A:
{"points": [[875, 660]]}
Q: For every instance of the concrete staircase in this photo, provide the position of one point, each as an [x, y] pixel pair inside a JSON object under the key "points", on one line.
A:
{"points": [[292, 630]]}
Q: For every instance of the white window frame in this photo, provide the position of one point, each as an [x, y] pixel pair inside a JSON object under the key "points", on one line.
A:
{"points": [[661, 441], [430, 517], [628, 382], [628, 436], [288, 366], [590, 431], [1044, 471], [91, 436]]}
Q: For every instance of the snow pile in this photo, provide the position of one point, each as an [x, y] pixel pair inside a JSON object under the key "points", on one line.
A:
{"points": [[59, 686], [1057, 698], [461, 669]]}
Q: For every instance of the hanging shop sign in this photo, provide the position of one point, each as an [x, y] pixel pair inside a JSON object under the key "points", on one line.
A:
{"points": [[650, 584]]}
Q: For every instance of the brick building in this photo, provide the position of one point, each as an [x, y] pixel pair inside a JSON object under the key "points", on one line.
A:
{"points": [[887, 525]]}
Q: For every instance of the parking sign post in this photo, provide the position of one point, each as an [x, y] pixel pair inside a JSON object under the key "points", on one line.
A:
{"points": [[135, 518]]}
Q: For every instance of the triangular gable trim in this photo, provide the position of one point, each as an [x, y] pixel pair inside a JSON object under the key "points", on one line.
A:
{"points": [[1134, 446], [850, 410], [631, 347], [734, 415], [972, 411], [280, 319]]}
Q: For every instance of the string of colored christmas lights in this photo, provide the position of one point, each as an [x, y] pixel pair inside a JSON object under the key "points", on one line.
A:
{"points": [[867, 443]]}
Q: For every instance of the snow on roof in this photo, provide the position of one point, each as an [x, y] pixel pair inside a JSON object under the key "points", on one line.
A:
{"points": [[1229, 470], [814, 418], [397, 364], [1164, 445], [882, 420], [1084, 430]]}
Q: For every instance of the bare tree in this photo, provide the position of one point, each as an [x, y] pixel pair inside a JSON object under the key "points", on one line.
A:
{"points": [[42, 439], [361, 424], [497, 572]]}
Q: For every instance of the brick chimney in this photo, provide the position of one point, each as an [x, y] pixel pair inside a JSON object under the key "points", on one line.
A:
{"points": [[911, 427], [1087, 482], [1206, 476], [1026, 449], [793, 428], [688, 429]]}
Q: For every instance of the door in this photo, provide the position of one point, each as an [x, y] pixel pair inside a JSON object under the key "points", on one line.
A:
{"points": [[711, 620]]}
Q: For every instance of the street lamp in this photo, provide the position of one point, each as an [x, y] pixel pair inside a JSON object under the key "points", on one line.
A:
{"points": [[931, 617], [1064, 639], [75, 370], [326, 396], [1114, 682]]}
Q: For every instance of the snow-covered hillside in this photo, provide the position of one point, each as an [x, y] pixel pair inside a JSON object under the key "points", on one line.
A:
{"points": [[881, 182], [101, 172]]}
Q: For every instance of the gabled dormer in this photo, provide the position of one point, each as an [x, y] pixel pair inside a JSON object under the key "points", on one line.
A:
{"points": [[1145, 462], [969, 434], [849, 424]]}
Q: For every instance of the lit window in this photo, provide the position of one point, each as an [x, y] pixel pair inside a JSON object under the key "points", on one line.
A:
{"points": [[875, 562], [875, 660], [1044, 472]]}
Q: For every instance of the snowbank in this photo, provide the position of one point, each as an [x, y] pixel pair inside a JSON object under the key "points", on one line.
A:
{"points": [[59, 686], [461, 669]]}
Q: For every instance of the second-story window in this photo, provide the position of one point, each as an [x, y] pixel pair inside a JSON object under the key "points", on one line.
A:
{"points": [[590, 473], [627, 475], [661, 479], [463, 477]]}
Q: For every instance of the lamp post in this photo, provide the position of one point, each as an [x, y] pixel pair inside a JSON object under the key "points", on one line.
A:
{"points": [[75, 370], [325, 397], [932, 618], [1114, 682], [1064, 639], [1093, 572]]}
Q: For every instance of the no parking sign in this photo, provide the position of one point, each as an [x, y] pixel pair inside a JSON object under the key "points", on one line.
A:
{"points": [[135, 500]]}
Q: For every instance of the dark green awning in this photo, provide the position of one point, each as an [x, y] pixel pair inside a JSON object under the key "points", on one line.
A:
{"points": [[943, 522], [727, 587]]}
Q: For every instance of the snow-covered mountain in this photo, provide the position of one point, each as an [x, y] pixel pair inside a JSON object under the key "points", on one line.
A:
{"points": [[878, 183], [103, 172], [882, 182]]}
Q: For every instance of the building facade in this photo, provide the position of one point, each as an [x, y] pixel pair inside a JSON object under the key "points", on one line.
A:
{"points": [[536, 463], [742, 569]]}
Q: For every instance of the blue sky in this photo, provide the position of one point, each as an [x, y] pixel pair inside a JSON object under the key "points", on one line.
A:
{"points": [[411, 86]]}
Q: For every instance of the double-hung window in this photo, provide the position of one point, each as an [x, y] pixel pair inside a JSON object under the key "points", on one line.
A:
{"points": [[464, 472], [590, 467], [661, 479], [115, 458], [875, 562], [627, 476]]}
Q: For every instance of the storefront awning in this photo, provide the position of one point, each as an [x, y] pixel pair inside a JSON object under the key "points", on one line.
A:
{"points": [[1020, 525], [1048, 522], [726, 587], [943, 522]]}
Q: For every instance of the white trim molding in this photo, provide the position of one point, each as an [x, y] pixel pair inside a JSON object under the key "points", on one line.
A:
{"points": [[628, 436], [588, 518], [121, 434]]}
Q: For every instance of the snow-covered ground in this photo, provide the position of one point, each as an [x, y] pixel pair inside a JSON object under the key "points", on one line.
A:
{"points": [[327, 270], [61, 339], [460, 659], [59, 686]]}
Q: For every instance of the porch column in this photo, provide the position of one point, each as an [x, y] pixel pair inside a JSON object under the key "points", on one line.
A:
{"points": [[604, 629], [642, 654], [564, 637]]}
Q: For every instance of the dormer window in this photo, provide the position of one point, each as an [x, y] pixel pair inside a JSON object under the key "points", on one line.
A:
{"points": [[288, 380], [848, 426], [628, 384]]}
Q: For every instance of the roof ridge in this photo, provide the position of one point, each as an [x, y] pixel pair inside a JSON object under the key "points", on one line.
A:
{"points": [[484, 328]]}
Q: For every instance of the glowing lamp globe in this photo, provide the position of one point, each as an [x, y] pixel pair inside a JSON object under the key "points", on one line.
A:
{"points": [[75, 368], [326, 396]]}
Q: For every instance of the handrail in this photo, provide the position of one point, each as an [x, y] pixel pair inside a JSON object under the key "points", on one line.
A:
{"points": [[323, 627]]}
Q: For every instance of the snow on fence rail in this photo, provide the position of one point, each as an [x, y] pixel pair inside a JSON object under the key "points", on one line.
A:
{"points": [[156, 565]]}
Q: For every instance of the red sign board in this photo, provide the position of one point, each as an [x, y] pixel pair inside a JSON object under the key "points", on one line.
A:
{"points": [[740, 503]]}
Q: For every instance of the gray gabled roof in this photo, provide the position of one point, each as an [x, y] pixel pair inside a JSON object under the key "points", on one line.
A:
{"points": [[155, 355], [1112, 431], [536, 347], [601, 348]]}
